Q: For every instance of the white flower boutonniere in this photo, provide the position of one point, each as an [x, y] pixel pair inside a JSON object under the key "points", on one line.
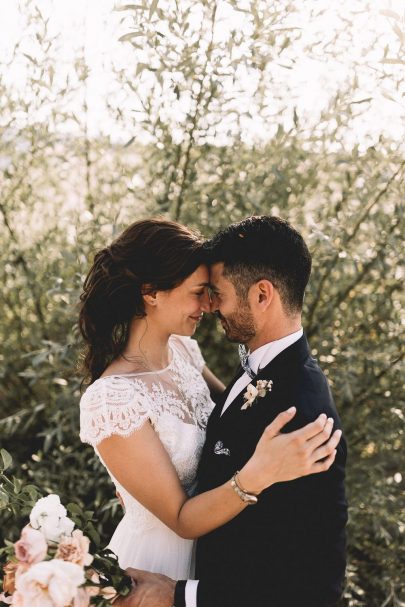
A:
{"points": [[252, 393]]}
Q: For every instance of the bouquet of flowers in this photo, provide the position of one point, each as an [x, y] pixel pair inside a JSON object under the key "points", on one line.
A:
{"points": [[51, 566]]}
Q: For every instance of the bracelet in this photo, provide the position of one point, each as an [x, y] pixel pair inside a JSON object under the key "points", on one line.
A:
{"points": [[247, 498], [180, 594]]}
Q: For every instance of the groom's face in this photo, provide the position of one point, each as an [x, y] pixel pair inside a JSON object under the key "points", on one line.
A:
{"points": [[233, 312]]}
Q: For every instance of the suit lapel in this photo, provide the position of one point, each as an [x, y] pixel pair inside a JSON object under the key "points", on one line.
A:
{"points": [[220, 404], [277, 368]]}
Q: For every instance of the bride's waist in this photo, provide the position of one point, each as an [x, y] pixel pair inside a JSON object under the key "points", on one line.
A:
{"points": [[139, 518]]}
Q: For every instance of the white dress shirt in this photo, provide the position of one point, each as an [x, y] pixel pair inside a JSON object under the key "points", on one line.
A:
{"points": [[258, 359]]}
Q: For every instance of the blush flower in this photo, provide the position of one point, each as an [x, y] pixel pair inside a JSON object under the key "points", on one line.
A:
{"points": [[75, 549], [11, 572], [254, 392], [82, 598], [9, 569], [31, 547], [109, 593], [49, 584]]}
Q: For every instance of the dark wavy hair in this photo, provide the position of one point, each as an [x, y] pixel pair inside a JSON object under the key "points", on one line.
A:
{"points": [[150, 255], [264, 247]]}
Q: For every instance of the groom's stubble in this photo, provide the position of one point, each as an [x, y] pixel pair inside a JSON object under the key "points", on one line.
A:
{"points": [[239, 326]]}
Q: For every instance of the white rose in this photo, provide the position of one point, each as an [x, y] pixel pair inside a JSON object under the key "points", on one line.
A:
{"points": [[50, 584], [251, 392], [49, 516], [249, 396]]}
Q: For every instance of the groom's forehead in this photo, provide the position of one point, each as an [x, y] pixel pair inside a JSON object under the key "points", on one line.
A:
{"points": [[217, 277], [216, 271]]}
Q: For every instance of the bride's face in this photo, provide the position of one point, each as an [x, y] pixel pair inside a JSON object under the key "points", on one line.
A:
{"points": [[179, 310]]}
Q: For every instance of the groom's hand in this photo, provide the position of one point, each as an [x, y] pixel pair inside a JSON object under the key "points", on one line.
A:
{"points": [[151, 590]]}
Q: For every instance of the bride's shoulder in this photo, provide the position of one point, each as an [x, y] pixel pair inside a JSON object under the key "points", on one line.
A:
{"points": [[113, 404], [113, 390]]}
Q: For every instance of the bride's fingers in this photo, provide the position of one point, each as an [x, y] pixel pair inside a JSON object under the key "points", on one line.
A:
{"points": [[319, 439], [279, 422], [325, 465], [327, 449], [310, 430]]}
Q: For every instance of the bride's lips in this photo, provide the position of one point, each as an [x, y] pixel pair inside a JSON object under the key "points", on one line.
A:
{"points": [[197, 318]]}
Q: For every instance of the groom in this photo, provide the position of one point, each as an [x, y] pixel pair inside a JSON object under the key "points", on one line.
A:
{"points": [[288, 549]]}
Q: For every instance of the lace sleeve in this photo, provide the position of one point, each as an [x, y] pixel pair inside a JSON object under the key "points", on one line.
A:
{"points": [[191, 350], [113, 405]]}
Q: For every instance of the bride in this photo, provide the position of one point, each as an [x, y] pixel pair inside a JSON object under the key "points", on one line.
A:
{"points": [[149, 399]]}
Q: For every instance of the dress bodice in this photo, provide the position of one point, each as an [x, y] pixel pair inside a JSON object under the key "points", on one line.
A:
{"points": [[175, 400]]}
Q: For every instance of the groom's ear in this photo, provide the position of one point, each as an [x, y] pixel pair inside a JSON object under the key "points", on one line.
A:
{"points": [[264, 293]]}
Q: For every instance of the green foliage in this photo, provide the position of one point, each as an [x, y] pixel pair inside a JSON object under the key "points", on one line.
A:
{"points": [[63, 196]]}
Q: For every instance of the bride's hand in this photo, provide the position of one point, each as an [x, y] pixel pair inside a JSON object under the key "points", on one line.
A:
{"points": [[284, 457]]}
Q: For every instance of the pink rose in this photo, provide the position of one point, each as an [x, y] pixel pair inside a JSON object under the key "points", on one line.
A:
{"points": [[109, 593], [5, 599], [31, 547], [95, 578], [11, 572], [82, 598], [18, 600], [49, 584], [75, 549]]}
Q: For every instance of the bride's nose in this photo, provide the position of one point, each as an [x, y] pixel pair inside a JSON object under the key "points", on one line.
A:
{"points": [[205, 303]]}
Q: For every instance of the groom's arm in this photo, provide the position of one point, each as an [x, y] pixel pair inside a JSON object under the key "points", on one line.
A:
{"points": [[214, 384]]}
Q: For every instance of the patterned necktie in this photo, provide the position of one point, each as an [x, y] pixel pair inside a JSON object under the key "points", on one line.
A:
{"points": [[244, 361]]}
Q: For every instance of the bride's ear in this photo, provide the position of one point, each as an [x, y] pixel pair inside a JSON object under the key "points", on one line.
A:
{"points": [[149, 296]]}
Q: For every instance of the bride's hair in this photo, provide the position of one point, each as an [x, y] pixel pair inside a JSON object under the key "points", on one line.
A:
{"points": [[150, 255]]}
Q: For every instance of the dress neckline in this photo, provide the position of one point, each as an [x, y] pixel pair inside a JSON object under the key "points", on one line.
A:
{"points": [[158, 371]]}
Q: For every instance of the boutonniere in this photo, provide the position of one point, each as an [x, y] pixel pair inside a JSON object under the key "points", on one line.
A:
{"points": [[252, 393]]}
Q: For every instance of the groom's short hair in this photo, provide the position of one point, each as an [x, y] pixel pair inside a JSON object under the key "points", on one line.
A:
{"points": [[264, 247]]}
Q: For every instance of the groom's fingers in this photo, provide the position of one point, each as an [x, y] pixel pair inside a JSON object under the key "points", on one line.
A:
{"points": [[136, 574]]}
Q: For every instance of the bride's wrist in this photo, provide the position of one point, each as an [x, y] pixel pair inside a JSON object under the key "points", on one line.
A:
{"points": [[249, 479]]}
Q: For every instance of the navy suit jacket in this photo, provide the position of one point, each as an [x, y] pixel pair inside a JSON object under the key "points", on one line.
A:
{"points": [[289, 549]]}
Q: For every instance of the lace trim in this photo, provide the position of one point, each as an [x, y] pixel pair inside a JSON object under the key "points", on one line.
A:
{"points": [[113, 405]]}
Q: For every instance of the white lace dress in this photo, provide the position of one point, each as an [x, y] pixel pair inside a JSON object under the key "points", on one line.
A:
{"points": [[177, 402]]}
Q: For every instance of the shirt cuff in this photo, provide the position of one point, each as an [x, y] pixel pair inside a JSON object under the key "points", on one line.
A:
{"points": [[191, 593]]}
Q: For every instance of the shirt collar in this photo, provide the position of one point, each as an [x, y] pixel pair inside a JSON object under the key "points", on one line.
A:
{"points": [[261, 357]]}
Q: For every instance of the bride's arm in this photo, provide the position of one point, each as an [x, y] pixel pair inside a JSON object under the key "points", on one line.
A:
{"points": [[141, 464], [214, 384]]}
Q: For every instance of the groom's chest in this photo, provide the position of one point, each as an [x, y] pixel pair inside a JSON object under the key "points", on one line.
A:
{"points": [[233, 433]]}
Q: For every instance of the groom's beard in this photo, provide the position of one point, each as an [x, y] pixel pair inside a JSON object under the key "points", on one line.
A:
{"points": [[239, 327]]}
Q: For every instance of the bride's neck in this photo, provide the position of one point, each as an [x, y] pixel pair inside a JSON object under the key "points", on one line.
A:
{"points": [[149, 343]]}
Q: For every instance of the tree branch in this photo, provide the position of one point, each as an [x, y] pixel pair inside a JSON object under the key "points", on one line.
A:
{"points": [[318, 294]]}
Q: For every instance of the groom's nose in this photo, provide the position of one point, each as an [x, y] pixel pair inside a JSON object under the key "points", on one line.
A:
{"points": [[213, 303]]}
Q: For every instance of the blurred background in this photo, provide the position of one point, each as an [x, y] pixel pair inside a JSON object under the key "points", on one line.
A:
{"points": [[207, 111]]}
